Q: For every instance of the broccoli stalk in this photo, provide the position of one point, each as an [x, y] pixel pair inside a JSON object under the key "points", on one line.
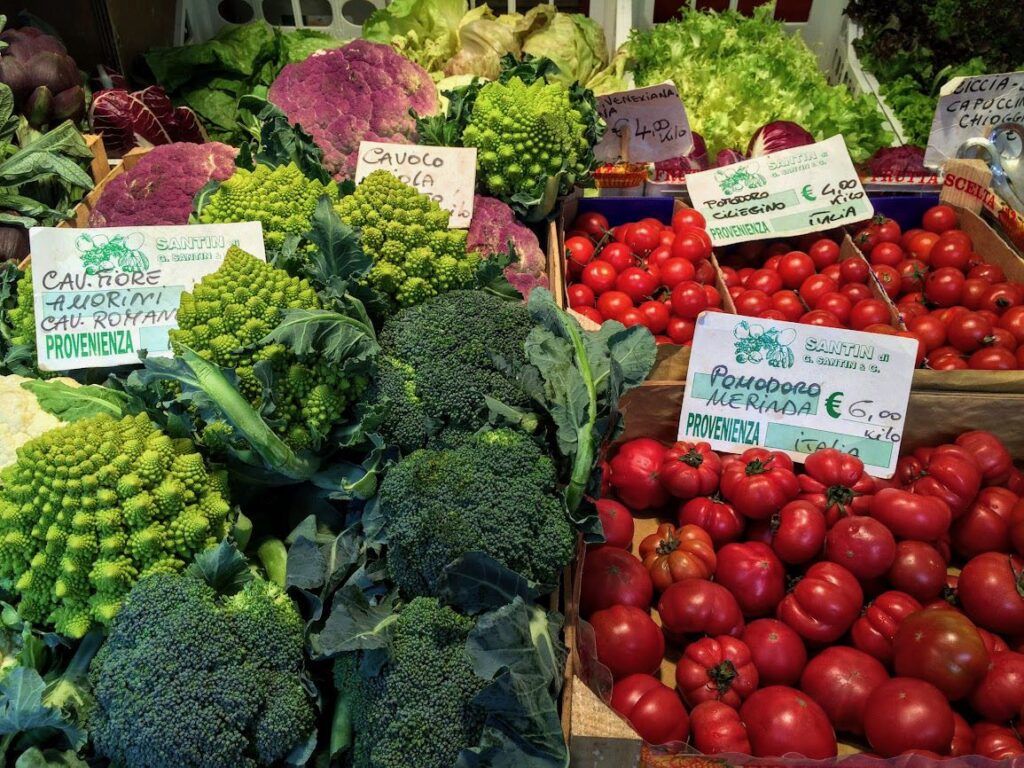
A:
{"points": [[583, 460]]}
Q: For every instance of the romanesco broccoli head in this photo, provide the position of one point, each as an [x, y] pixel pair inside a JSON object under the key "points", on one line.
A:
{"points": [[406, 233], [524, 135], [91, 507], [282, 199], [224, 319], [418, 710], [191, 677], [22, 318], [494, 492], [441, 358]]}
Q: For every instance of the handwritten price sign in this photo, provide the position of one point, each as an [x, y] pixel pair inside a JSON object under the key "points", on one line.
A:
{"points": [[645, 125], [792, 192]]}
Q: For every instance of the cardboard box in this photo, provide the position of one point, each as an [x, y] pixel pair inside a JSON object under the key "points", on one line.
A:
{"points": [[598, 736]]}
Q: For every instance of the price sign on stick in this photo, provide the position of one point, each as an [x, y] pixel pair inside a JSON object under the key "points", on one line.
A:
{"points": [[644, 125], [790, 192], [447, 174], [797, 388], [102, 295], [973, 106]]}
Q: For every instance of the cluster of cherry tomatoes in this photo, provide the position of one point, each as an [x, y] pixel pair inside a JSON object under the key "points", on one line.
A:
{"points": [[643, 273], [798, 604], [963, 310]]}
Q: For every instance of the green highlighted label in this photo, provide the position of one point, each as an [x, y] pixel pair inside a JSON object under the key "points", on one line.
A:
{"points": [[786, 437]]}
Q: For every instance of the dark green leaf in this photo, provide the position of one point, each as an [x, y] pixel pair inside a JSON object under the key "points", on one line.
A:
{"points": [[70, 403], [22, 708], [223, 567], [476, 582], [338, 253], [354, 624], [332, 337], [50, 758]]}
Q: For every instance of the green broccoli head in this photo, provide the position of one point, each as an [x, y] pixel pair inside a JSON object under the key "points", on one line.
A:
{"points": [[440, 358], [282, 199], [191, 677], [494, 492], [91, 507], [525, 135], [406, 234], [225, 317], [418, 710]]}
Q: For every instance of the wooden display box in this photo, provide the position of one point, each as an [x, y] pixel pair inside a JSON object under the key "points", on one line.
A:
{"points": [[598, 736]]}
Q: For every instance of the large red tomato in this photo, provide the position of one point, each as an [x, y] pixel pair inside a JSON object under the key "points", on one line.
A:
{"points": [[696, 606], [823, 604], [862, 545], [798, 532], [690, 469], [942, 647], [989, 454], [963, 737], [782, 720], [716, 669], [672, 554], [652, 708], [778, 652], [911, 515], [754, 575], [720, 520], [616, 522], [996, 742], [836, 483], [904, 713], [628, 641], [841, 679], [1017, 527], [1000, 694], [948, 472], [759, 482], [986, 525], [991, 591], [919, 570], [635, 474], [716, 728], [874, 632], [612, 576]]}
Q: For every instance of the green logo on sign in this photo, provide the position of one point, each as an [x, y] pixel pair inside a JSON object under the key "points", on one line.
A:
{"points": [[100, 253], [754, 344], [731, 182]]}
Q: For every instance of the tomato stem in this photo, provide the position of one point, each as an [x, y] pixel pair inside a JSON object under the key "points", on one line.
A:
{"points": [[722, 676]]}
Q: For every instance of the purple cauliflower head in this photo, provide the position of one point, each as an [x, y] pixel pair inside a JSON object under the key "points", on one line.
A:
{"points": [[44, 79], [493, 227], [361, 91], [159, 190]]}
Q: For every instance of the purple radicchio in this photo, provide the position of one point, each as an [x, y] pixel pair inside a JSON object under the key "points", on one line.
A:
{"points": [[160, 188], [361, 91], [728, 157], [494, 226], [779, 134], [676, 168], [145, 118]]}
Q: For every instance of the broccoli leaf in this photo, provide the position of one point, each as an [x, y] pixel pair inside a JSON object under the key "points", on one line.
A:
{"points": [[73, 403], [50, 758], [22, 708], [328, 335], [278, 142], [223, 567], [338, 250], [477, 582], [355, 624]]}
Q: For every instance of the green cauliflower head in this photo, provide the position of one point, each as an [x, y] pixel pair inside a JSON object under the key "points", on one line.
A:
{"points": [[282, 199], [224, 318], [91, 507]]}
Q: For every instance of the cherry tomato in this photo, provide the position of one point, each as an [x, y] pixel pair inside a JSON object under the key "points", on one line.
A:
{"points": [[780, 720], [688, 217], [590, 313], [580, 295], [904, 713], [680, 330], [612, 304], [619, 255], [691, 244], [580, 251], [643, 238], [943, 648], [651, 707], [814, 287], [888, 230], [868, 312], [939, 219], [689, 299], [789, 304], [824, 252], [656, 315], [838, 304], [993, 359], [853, 270], [889, 278], [822, 318], [920, 247], [930, 330], [1001, 297], [991, 273], [875, 631], [636, 283], [912, 273], [752, 303], [840, 680], [675, 271], [968, 331], [950, 252], [909, 235], [705, 272], [777, 651], [765, 280], [599, 276], [795, 267], [973, 293], [944, 286], [855, 291], [887, 253], [627, 639], [659, 256], [594, 224], [714, 297]]}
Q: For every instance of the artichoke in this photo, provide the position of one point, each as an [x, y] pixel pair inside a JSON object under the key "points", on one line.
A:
{"points": [[45, 80]]}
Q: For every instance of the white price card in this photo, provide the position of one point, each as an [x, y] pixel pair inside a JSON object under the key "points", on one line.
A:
{"points": [[446, 174], [973, 106], [790, 192], [648, 123], [797, 388], [102, 295]]}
